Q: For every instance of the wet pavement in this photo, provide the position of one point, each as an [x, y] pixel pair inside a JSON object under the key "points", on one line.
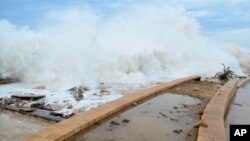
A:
{"points": [[239, 112], [164, 117], [14, 126]]}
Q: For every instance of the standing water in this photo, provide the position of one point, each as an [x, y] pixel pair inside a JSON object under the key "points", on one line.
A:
{"points": [[239, 112], [164, 117], [14, 126]]}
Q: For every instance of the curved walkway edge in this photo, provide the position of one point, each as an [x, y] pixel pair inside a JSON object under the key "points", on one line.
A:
{"points": [[243, 82], [67, 128], [215, 113]]}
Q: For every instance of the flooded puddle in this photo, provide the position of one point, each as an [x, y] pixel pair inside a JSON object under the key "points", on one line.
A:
{"points": [[164, 117], [239, 112], [14, 126]]}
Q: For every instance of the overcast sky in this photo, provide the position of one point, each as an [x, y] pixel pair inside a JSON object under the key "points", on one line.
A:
{"points": [[224, 19]]}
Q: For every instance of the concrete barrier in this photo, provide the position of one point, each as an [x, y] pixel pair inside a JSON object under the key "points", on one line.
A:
{"points": [[67, 128], [215, 113], [243, 82]]}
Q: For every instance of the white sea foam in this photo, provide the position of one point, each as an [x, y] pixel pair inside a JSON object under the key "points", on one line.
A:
{"points": [[142, 44]]}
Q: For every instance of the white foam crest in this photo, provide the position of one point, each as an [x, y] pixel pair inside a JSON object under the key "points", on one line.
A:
{"points": [[80, 47]]}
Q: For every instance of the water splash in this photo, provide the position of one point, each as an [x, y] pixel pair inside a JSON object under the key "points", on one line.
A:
{"points": [[83, 47]]}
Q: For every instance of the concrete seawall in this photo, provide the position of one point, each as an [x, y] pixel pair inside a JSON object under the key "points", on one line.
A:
{"points": [[215, 113]]}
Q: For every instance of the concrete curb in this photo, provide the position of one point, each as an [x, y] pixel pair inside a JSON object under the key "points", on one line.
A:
{"points": [[67, 128], [215, 113], [243, 82]]}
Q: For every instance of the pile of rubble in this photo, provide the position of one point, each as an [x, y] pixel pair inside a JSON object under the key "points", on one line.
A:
{"points": [[35, 104]]}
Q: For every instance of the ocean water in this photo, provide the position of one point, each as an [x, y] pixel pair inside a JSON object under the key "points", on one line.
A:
{"points": [[79, 46]]}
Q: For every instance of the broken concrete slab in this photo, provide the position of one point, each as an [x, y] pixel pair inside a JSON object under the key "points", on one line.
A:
{"points": [[55, 107], [38, 105], [104, 92], [26, 109], [28, 96], [78, 92]]}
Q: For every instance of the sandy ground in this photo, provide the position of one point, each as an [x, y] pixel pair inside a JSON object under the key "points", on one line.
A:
{"points": [[200, 89]]}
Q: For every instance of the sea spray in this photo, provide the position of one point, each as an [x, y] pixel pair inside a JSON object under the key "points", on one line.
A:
{"points": [[82, 47]]}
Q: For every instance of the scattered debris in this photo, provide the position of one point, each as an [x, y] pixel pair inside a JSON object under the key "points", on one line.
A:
{"points": [[200, 123], [175, 107], [173, 119], [164, 115], [34, 104], [185, 106], [65, 100], [125, 121], [70, 107], [56, 114], [104, 92], [38, 105], [189, 134], [200, 112], [114, 123], [78, 92], [177, 131], [81, 87], [55, 107], [4, 101]]}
